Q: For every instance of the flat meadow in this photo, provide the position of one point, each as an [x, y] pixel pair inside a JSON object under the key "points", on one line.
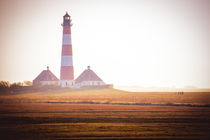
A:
{"points": [[109, 96], [105, 114]]}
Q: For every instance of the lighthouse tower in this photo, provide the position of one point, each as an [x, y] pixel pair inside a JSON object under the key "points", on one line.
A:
{"points": [[67, 69]]}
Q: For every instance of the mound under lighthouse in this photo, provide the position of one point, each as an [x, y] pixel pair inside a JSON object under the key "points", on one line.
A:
{"points": [[67, 69]]}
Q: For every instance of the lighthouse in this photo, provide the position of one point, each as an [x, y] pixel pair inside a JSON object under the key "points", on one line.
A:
{"points": [[67, 69]]}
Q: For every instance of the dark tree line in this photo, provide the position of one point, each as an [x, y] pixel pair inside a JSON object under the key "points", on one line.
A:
{"points": [[6, 87], [26, 86]]}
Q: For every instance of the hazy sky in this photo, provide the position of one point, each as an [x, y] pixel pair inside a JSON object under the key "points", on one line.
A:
{"points": [[126, 42]]}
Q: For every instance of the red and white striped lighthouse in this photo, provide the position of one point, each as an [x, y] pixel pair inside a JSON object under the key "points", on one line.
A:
{"points": [[67, 69]]}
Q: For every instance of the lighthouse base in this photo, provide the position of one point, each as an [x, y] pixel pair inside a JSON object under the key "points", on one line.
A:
{"points": [[67, 83]]}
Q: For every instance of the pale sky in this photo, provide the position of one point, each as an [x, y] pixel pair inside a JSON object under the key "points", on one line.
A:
{"points": [[160, 43]]}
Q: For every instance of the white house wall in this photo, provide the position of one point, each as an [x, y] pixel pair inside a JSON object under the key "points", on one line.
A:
{"points": [[67, 83], [89, 83], [49, 83]]}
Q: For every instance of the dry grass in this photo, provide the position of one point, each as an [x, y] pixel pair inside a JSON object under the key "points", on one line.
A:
{"points": [[57, 115], [110, 96], [91, 121]]}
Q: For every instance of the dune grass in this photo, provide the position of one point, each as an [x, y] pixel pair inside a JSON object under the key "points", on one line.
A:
{"points": [[104, 114], [102, 121], [109, 96]]}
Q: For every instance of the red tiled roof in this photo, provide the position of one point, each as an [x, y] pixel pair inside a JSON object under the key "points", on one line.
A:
{"points": [[46, 75], [87, 75]]}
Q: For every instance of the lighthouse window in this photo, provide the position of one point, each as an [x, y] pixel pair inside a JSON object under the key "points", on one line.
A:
{"points": [[67, 18]]}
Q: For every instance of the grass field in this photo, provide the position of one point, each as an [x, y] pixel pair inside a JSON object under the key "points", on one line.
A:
{"points": [[110, 96], [79, 115]]}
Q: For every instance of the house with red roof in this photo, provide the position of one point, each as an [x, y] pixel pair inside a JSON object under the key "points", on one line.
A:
{"points": [[46, 77], [88, 78]]}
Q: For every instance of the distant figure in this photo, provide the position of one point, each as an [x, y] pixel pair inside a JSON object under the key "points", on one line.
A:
{"points": [[180, 93]]}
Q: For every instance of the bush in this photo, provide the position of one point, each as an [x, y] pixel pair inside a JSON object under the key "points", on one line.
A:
{"points": [[4, 86]]}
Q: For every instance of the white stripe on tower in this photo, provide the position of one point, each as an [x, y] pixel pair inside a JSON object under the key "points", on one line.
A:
{"points": [[66, 39], [66, 61], [67, 69]]}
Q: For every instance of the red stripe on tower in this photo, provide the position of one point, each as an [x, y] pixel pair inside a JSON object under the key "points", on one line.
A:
{"points": [[67, 69], [67, 50]]}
